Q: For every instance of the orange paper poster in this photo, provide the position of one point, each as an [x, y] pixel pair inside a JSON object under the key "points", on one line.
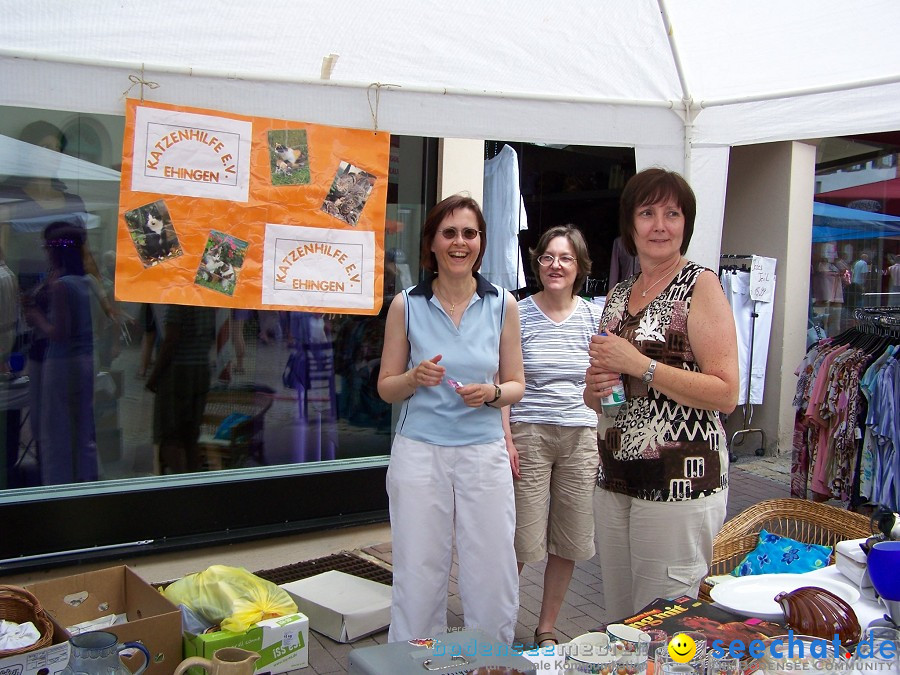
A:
{"points": [[223, 210]]}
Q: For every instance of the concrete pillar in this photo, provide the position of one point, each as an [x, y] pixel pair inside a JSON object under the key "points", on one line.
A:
{"points": [[461, 168], [768, 211]]}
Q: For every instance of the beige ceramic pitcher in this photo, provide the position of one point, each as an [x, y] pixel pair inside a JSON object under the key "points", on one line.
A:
{"points": [[225, 661]]}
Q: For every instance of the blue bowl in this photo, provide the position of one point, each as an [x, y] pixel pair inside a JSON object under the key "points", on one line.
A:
{"points": [[883, 563]]}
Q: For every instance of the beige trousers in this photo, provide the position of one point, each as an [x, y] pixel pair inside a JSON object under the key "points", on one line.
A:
{"points": [[652, 550]]}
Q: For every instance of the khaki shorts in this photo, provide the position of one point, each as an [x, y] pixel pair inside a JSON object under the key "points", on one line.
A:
{"points": [[554, 496]]}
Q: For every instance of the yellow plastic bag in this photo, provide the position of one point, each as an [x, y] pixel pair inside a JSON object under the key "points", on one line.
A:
{"points": [[231, 597]]}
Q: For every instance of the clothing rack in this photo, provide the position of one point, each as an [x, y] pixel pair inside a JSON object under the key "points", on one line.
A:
{"points": [[874, 329], [742, 266], [878, 320], [746, 430]]}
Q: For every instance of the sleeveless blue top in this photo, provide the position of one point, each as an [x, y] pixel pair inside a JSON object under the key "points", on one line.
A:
{"points": [[470, 354]]}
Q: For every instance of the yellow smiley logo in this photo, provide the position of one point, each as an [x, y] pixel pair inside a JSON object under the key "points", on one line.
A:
{"points": [[682, 648]]}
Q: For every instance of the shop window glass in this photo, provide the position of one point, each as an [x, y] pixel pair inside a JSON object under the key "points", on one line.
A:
{"points": [[75, 404], [855, 264]]}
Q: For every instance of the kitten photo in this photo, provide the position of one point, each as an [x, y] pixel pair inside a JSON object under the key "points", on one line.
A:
{"points": [[153, 233], [289, 157]]}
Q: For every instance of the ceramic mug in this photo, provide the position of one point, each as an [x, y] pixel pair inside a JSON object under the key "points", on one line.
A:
{"points": [[591, 653], [634, 645]]}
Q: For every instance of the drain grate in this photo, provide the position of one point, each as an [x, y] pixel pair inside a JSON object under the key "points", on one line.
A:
{"points": [[342, 562]]}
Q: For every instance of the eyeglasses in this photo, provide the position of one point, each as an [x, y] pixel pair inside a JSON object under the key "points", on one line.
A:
{"points": [[451, 233], [564, 260]]}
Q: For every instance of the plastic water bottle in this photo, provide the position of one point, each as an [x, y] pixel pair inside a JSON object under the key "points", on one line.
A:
{"points": [[615, 399]]}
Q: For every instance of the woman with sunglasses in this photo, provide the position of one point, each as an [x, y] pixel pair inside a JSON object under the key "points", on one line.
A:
{"points": [[453, 356], [552, 440]]}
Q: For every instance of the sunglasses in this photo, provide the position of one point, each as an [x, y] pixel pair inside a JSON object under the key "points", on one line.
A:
{"points": [[564, 260], [451, 233]]}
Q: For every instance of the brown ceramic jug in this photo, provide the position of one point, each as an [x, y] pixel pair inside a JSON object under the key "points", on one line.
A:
{"points": [[225, 661], [820, 613]]}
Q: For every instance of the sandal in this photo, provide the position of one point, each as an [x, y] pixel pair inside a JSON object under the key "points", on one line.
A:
{"points": [[547, 636]]}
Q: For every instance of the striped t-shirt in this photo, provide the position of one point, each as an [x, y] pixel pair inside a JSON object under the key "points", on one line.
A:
{"points": [[555, 357]]}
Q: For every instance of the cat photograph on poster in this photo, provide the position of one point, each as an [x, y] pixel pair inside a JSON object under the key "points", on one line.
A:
{"points": [[348, 194], [289, 157], [153, 233], [223, 257]]}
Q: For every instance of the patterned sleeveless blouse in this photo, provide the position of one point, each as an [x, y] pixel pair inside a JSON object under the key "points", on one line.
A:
{"points": [[660, 450]]}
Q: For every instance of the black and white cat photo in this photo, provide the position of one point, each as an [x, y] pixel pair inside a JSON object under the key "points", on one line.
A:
{"points": [[156, 237]]}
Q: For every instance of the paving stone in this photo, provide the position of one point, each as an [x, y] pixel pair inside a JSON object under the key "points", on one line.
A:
{"points": [[578, 587]]}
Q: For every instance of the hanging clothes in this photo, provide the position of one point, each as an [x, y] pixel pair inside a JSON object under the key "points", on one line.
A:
{"points": [[622, 265], [504, 213], [736, 284], [737, 290], [845, 434], [880, 461]]}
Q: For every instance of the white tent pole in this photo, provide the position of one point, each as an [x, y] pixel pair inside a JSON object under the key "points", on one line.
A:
{"points": [[149, 68], [811, 91], [689, 106], [689, 114], [670, 35]]}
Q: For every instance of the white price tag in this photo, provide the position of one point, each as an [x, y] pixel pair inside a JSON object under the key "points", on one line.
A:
{"points": [[289, 640], [762, 279]]}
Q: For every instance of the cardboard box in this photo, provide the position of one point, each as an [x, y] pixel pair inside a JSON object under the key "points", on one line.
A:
{"points": [[151, 619], [282, 643], [47, 661], [342, 606]]}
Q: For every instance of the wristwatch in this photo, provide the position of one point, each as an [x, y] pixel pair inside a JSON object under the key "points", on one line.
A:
{"points": [[497, 394], [647, 377]]}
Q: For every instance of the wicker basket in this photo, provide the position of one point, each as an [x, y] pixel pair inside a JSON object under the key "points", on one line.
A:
{"points": [[20, 606], [806, 521]]}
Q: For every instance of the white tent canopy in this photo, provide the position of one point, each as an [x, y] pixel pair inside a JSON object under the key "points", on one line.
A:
{"points": [[18, 158], [679, 80]]}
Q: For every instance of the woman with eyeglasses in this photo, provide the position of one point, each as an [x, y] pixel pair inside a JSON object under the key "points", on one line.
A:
{"points": [[669, 333], [552, 434], [452, 354]]}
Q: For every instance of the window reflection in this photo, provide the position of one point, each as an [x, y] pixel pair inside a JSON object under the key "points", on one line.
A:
{"points": [[231, 389], [856, 231]]}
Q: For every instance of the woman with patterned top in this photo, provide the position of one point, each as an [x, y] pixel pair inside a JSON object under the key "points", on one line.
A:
{"points": [[670, 335], [552, 435]]}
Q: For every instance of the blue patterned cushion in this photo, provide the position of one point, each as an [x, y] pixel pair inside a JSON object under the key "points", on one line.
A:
{"points": [[775, 553]]}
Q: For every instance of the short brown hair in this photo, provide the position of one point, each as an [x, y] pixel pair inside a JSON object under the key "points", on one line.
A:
{"points": [[38, 130], [436, 216], [651, 186], [582, 257]]}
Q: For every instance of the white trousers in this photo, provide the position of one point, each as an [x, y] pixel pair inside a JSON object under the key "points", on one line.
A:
{"points": [[433, 491], [737, 290], [652, 550]]}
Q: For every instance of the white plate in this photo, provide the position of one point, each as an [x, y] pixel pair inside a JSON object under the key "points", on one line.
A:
{"points": [[754, 595]]}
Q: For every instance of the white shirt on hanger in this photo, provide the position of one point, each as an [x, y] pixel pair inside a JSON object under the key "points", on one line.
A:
{"points": [[504, 212]]}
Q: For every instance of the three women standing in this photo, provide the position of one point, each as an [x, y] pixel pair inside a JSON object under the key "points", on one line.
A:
{"points": [[452, 354]]}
